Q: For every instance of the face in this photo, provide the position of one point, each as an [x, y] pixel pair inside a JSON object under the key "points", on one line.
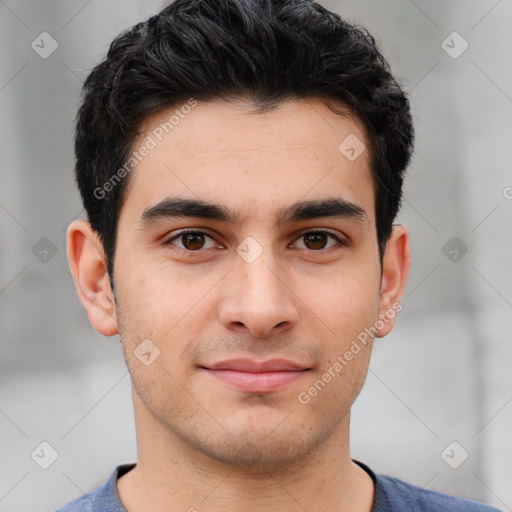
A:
{"points": [[246, 271]]}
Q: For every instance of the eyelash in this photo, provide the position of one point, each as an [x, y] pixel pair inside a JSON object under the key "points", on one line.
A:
{"points": [[199, 251]]}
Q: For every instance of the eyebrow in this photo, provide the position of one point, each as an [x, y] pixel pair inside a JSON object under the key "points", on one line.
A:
{"points": [[175, 207]]}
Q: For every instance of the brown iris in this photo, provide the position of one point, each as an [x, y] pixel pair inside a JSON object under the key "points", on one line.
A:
{"points": [[315, 240], [192, 241]]}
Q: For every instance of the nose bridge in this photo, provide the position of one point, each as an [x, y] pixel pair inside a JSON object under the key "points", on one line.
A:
{"points": [[261, 282], [258, 299], [253, 264]]}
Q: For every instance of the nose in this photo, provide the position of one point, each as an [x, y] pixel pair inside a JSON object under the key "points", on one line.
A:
{"points": [[257, 299]]}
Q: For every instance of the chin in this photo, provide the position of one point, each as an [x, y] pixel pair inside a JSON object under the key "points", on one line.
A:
{"points": [[259, 457], [260, 449]]}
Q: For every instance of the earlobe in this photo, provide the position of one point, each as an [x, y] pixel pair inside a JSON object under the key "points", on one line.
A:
{"points": [[395, 268], [87, 263]]}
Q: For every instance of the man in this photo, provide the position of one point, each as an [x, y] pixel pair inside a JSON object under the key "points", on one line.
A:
{"points": [[241, 165]]}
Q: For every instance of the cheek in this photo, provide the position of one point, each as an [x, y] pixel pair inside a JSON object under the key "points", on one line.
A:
{"points": [[351, 301], [167, 308], [154, 294]]}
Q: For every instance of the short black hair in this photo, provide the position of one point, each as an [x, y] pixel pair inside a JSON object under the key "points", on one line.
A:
{"points": [[265, 51]]}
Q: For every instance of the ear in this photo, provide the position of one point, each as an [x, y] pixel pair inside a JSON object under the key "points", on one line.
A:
{"points": [[395, 268], [87, 263]]}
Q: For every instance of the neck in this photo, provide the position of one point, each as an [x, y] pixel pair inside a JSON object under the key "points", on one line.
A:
{"points": [[172, 475]]}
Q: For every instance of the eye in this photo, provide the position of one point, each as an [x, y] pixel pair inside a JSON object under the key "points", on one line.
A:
{"points": [[190, 240], [194, 241], [318, 240]]}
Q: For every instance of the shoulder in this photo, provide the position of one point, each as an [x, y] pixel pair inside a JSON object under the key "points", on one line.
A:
{"points": [[83, 504], [393, 494], [104, 498]]}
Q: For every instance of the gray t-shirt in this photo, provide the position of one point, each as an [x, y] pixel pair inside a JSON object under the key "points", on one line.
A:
{"points": [[391, 495]]}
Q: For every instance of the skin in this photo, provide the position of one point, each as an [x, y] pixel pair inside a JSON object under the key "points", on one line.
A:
{"points": [[202, 443]]}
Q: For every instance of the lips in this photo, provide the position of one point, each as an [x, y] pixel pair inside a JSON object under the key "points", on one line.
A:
{"points": [[257, 376], [246, 365]]}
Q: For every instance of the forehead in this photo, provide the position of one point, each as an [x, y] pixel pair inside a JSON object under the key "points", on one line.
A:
{"points": [[228, 153]]}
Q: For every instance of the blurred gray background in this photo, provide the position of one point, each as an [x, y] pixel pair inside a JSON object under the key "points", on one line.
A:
{"points": [[436, 409]]}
